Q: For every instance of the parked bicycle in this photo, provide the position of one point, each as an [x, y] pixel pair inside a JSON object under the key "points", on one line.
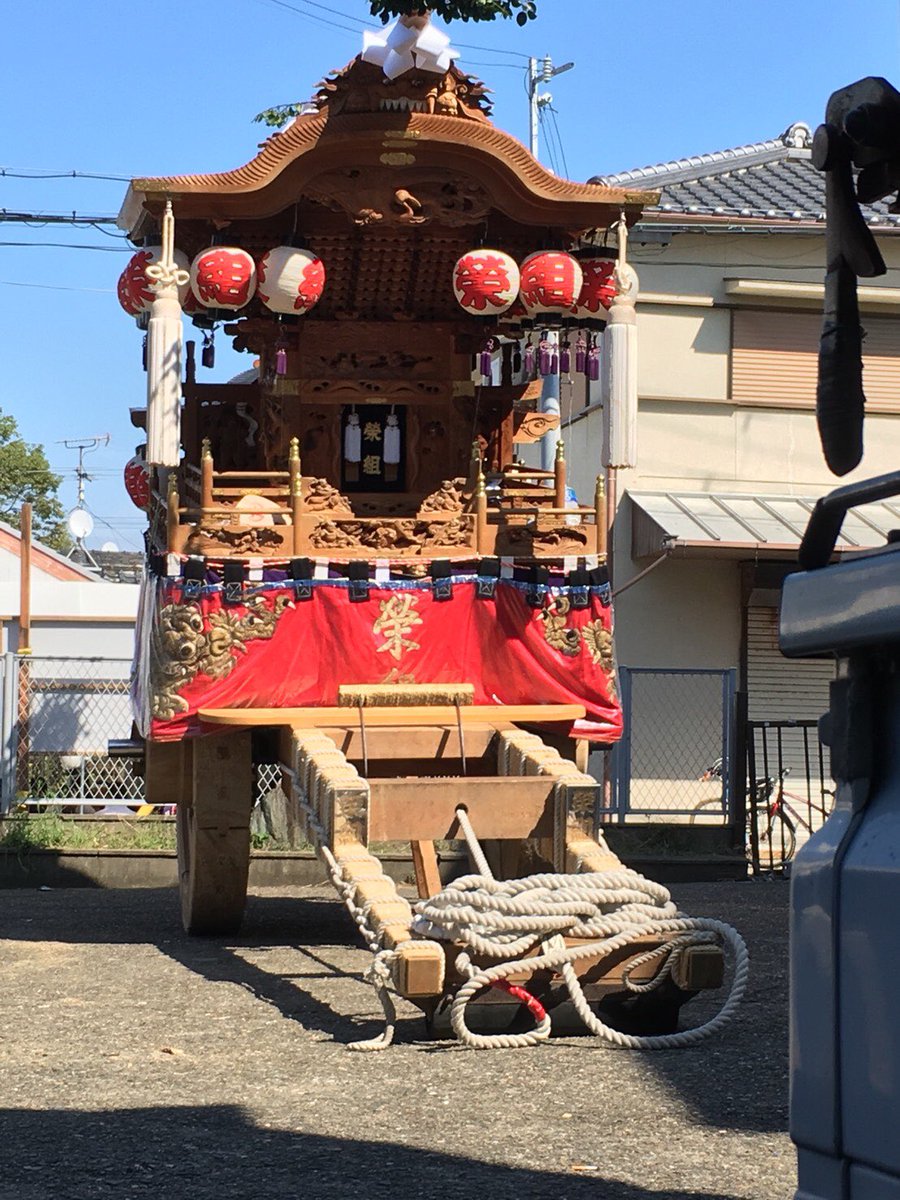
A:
{"points": [[775, 813]]}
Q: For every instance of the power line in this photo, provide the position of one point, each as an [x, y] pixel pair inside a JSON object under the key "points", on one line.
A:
{"points": [[73, 246], [38, 173], [562, 149], [55, 287], [11, 217]]}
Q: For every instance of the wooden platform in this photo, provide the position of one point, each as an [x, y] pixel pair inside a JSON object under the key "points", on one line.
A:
{"points": [[496, 715]]}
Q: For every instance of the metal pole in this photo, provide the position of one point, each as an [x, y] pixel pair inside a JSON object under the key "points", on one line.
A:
{"points": [[533, 80], [24, 646]]}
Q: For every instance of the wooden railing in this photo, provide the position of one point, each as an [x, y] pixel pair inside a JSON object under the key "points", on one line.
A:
{"points": [[529, 518]]}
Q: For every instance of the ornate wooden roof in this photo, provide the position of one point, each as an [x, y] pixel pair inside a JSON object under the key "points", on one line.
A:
{"points": [[369, 151]]}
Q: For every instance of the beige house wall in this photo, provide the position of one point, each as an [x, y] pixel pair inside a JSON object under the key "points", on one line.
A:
{"points": [[691, 437]]}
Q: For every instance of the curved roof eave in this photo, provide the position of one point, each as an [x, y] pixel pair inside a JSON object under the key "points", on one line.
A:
{"points": [[314, 144]]}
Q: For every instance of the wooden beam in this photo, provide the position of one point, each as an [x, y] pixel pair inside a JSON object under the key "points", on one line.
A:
{"points": [[425, 809], [168, 778], [428, 872], [496, 715]]}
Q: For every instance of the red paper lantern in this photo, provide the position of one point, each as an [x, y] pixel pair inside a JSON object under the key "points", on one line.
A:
{"points": [[486, 282], [551, 282], [137, 480], [289, 280], [134, 289], [598, 289], [223, 277]]}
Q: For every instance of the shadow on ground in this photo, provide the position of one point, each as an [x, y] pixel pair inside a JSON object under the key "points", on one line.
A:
{"points": [[200, 1153]]}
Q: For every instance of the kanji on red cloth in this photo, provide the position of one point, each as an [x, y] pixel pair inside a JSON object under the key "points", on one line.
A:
{"points": [[274, 649]]}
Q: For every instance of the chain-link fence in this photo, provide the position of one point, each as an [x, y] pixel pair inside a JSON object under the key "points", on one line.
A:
{"points": [[673, 760], [59, 715]]}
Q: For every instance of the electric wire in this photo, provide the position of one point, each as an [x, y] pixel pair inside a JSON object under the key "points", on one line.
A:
{"points": [[562, 149]]}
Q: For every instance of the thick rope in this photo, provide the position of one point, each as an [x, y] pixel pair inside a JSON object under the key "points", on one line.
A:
{"points": [[504, 919]]}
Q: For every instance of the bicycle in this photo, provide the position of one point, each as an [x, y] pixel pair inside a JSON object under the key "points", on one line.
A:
{"points": [[771, 812]]}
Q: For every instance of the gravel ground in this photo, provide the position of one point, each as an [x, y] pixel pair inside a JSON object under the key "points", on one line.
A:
{"points": [[137, 1062]]}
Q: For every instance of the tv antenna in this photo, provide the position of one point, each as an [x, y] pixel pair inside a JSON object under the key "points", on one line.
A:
{"points": [[79, 521]]}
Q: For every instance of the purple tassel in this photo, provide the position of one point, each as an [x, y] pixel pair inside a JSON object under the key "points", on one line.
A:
{"points": [[565, 359], [517, 360], [594, 365], [281, 361], [487, 366], [581, 356], [544, 360], [554, 361], [529, 361]]}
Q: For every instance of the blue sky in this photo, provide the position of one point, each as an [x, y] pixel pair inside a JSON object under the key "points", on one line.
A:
{"points": [[171, 86]]}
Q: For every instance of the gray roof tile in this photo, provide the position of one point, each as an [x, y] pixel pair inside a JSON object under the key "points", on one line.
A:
{"points": [[766, 181]]}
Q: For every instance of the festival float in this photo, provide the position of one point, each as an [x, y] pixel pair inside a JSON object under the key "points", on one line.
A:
{"points": [[352, 571]]}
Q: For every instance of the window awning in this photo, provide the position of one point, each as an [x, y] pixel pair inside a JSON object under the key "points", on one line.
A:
{"points": [[738, 525]]}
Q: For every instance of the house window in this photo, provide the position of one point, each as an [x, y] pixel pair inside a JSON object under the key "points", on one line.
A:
{"points": [[774, 359]]}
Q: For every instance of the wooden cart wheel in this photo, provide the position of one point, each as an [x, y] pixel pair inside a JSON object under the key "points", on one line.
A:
{"points": [[213, 837]]}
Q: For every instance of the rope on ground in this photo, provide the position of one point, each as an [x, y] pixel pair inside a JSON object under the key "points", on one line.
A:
{"points": [[505, 919], [379, 970]]}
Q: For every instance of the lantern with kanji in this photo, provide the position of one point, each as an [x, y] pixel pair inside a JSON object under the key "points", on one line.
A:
{"points": [[486, 282], [597, 290], [223, 277], [137, 479], [551, 283], [289, 280], [135, 291]]}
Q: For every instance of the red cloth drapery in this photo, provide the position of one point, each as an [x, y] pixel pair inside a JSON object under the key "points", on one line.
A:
{"points": [[272, 650]]}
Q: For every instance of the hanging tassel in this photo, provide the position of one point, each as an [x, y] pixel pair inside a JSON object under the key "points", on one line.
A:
{"points": [[280, 361], [581, 355], [144, 353], [565, 359], [517, 359], [593, 371], [208, 353], [164, 340], [554, 360], [528, 364], [544, 359], [487, 361]]}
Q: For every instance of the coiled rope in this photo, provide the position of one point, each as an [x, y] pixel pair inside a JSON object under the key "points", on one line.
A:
{"points": [[505, 919]]}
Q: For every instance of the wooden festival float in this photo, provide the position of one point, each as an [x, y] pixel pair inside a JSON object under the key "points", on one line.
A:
{"points": [[351, 569]]}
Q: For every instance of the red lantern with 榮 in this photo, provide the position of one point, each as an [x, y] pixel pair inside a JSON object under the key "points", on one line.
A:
{"points": [[598, 289], [135, 291], [551, 282], [223, 277], [137, 479], [290, 280], [486, 282]]}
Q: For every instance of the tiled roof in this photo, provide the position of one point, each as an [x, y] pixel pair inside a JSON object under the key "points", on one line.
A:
{"points": [[773, 182]]}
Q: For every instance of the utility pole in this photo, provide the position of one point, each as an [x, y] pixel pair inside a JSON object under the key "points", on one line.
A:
{"points": [[540, 71], [80, 521]]}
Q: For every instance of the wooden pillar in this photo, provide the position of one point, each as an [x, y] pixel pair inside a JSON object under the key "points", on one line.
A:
{"points": [[559, 475], [600, 516], [481, 529], [23, 696], [206, 475], [25, 580], [173, 503]]}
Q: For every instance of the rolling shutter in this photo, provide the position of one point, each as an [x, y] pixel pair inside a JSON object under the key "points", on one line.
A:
{"points": [[779, 688], [774, 359]]}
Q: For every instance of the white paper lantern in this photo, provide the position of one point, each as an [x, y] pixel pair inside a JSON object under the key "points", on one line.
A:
{"points": [[551, 282], [223, 277], [135, 291], [289, 280], [486, 282]]}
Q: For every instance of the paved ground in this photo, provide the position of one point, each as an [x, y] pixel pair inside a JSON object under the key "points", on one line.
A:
{"points": [[138, 1063]]}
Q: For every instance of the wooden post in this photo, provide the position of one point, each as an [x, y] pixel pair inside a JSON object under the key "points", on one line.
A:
{"points": [[25, 580], [481, 529], [206, 474], [474, 466], [172, 518], [294, 462], [23, 705], [559, 475], [600, 516], [297, 513], [611, 479]]}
